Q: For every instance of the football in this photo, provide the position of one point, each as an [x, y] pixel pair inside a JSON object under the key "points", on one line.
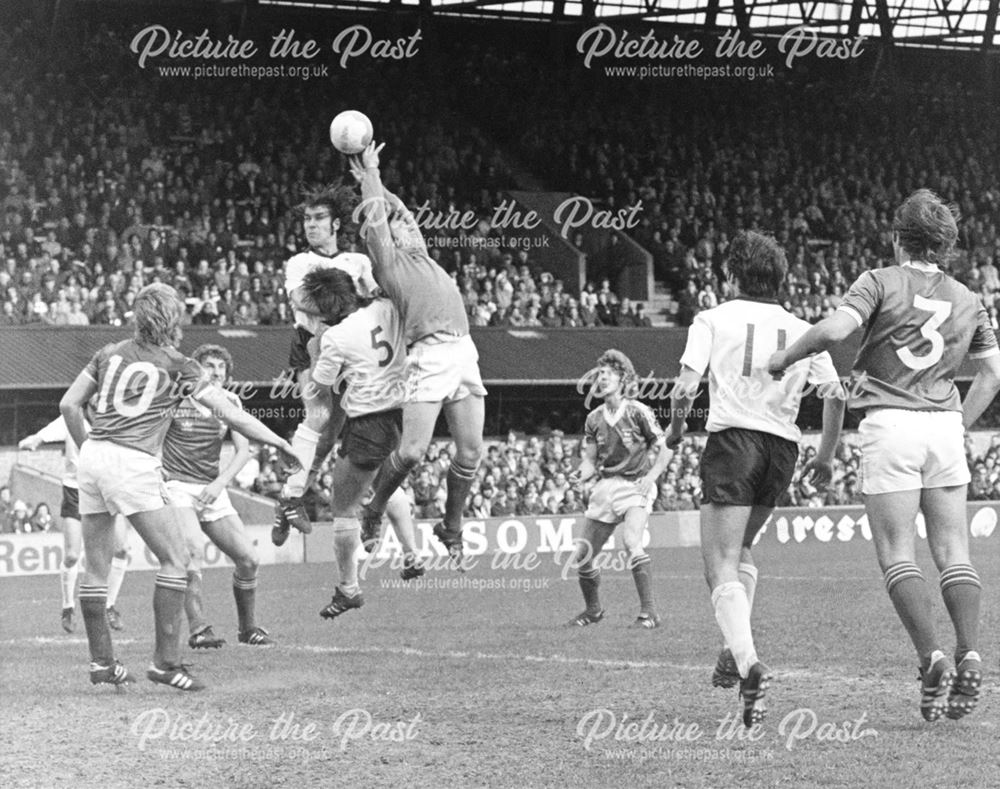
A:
{"points": [[351, 131]]}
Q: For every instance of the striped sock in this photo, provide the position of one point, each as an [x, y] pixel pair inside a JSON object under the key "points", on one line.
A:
{"points": [[93, 606], [168, 612], [590, 580], [907, 589], [245, 592], [747, 574], [962, 592], [640, 566], [460, 479]]}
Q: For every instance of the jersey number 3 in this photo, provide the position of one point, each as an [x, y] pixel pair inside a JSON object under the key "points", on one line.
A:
{"points": [[941, 310]]}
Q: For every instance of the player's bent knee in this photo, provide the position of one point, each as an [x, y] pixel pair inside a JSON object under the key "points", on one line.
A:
{"points": [[70, 559]]}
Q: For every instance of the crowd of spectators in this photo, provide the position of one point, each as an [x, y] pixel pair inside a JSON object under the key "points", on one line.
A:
{"points": [[820, 160], [153, 181], [18, 517], [525, 476]]}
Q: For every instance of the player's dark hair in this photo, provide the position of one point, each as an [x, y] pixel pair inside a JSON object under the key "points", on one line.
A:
{"points": [[340, 199], [331, 293], [927, 228], [621, 364], [758, 263], [158, 312], [211, 351]]}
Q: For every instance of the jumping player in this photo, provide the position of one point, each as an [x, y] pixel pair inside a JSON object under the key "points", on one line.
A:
{"points": [[443, 363], [361, 354], [618, 438], [192, 453], [139, 382], [69, 513], [324, 211], [753, 442], [919, 325]]}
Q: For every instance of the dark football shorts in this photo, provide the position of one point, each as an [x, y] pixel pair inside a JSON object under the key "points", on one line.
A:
{"points": [[70, 507], [368, 440], [746, 467], [298, 355]]}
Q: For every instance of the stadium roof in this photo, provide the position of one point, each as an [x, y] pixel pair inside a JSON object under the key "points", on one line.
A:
{"points": [[928, 23], [40, 357]]}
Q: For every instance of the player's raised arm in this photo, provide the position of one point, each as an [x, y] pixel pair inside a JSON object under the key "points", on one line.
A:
{"points": [[822, 336], [375, 212], [53, 433], [242, 422], [74, 402]]}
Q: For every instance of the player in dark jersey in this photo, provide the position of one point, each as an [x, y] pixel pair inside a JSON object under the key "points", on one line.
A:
{"points": [[919, 325], [138, 383], [618, 439], [192, 453], [443, 363], [324, 211]]}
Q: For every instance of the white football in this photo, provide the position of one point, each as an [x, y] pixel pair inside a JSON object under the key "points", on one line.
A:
{"points": [[351, 131]]}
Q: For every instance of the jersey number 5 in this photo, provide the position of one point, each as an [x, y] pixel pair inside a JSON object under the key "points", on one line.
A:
{"points": [[382, 345], [941, 310]]}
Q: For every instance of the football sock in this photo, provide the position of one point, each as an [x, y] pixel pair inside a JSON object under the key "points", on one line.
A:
{"points": [[590, 580], [93, 606], [962, 591], [908, 591], [390, 476], [192, 603], [346, 541], [245, 592], [67, 583], [304, 443], [732, 612], [168, 609], [115, 577], [460, 479], [748, 577], [643, 578]]}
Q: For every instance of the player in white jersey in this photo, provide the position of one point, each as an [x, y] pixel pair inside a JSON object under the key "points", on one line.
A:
{"points": [[69, 512], [752, 446], [324, 211], [362, 356]]}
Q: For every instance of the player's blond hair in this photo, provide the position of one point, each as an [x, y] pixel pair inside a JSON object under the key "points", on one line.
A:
{"points": [[927, 228], [210, 350], [158, 312]]}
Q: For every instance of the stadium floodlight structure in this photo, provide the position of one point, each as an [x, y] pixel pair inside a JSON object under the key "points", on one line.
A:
{"points": [[957, 24]]}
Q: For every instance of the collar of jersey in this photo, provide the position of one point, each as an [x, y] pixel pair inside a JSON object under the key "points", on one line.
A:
{"points": [[920, 265], [612, 418], [757, 300]]}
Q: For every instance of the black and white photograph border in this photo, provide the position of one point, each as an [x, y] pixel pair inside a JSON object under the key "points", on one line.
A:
{"points": [[586, 172]]}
